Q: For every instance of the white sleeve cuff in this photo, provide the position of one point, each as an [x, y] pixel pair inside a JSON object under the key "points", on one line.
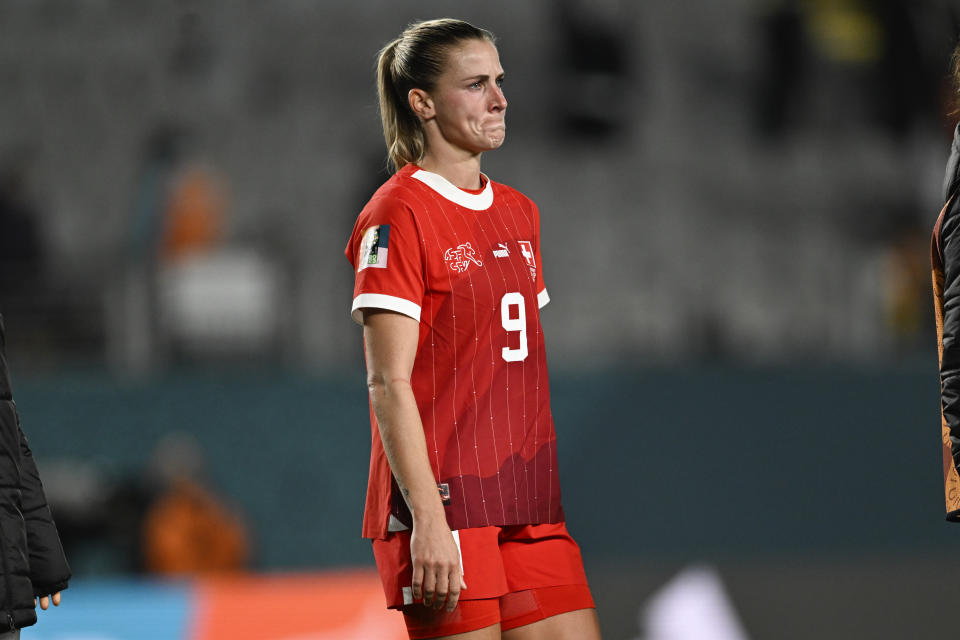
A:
{"points": [[391, 303], [542, 299]]}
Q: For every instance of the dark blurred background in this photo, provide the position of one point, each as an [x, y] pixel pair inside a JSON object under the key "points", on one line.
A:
{"points": [[736, 198]]}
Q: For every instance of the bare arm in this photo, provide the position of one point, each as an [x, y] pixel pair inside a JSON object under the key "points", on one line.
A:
{"points": [[391, 347]]}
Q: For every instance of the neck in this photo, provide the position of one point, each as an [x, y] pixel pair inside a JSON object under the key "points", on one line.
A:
{"points": [[462, 171]]}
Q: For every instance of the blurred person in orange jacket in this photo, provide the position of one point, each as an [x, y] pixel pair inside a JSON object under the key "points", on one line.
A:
{"points": [[187, 529]]}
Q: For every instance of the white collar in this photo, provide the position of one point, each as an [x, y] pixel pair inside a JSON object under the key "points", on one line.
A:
{"points": [[476, 201]]}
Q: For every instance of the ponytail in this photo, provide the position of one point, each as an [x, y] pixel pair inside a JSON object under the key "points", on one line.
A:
{"points": [[402, 131], [414, 61]]}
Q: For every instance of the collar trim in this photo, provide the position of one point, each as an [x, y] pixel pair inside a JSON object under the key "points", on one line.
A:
{"points": [[475, 201]]}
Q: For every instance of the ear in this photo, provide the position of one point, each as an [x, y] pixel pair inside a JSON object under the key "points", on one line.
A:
{"points": [[421, 103]]}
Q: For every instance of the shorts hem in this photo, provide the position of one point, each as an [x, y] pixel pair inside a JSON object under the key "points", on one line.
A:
{"points": [[454, 628], [573, 597]]}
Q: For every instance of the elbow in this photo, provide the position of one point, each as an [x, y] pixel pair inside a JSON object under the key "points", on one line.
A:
{"points": [[381, 384], [388, 394]]}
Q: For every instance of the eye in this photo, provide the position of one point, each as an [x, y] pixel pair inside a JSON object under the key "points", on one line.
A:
{"points": [[500, 81], [476, 85]]}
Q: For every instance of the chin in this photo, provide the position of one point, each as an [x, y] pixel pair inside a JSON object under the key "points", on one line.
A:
{"points": [[495, 142], [483, 145]]}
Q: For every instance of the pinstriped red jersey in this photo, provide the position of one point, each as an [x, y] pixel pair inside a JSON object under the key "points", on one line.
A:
{"points": [[467, 266]]}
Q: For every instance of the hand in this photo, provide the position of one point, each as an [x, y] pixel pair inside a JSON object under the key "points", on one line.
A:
{"points": [[45, 601], [436, 565]]}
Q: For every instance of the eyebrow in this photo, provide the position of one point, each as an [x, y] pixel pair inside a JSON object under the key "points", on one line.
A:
{"points": [[484, 77]]}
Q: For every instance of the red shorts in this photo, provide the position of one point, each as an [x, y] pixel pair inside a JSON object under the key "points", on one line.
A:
{"points": [[514, 575]]}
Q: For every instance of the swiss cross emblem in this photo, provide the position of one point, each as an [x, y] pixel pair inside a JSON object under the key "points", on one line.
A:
{"points": [[459, 259], [526, 250]]}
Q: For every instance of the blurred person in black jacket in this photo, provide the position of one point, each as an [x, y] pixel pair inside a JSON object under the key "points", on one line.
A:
{"points": [[32, 562], [945, 259]]}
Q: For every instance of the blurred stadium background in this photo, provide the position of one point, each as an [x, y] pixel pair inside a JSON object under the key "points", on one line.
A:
{"points": [[736, 197]]}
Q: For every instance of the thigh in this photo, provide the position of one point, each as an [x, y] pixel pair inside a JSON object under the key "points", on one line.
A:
{"points": [[489, 633], [581, 624]]}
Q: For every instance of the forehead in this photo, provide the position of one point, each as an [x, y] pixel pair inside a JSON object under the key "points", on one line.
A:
{"points": [[473, 57]]}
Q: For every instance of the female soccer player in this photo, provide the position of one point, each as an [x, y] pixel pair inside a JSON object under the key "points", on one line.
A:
{"points": [[463, 501]]}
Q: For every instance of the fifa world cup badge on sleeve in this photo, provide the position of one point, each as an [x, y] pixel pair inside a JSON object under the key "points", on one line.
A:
{"points": [[373, 249]]}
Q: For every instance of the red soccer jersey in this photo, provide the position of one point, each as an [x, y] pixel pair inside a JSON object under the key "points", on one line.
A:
{"points": [[467, 266]]}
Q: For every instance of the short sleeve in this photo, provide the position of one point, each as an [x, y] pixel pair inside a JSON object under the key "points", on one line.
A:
{"points": [[387, 260], [542, 297]]}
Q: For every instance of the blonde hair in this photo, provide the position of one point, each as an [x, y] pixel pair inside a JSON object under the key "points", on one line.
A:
{"points": [[414, 61]]}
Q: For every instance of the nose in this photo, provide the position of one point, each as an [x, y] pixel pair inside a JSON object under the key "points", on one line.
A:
{"points": [[499, 100]]}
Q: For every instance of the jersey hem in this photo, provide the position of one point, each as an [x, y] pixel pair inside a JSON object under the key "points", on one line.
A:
{"points": [[382, 301], [377, 533]]}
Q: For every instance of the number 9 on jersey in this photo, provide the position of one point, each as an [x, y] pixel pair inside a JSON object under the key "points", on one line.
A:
{"points": [[514, 299]]}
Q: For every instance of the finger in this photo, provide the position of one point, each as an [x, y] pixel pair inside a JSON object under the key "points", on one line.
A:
{"points": [[417, 583], [44, 602], [56, 599], [443, 586], [429, 586], [456, 584]]}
